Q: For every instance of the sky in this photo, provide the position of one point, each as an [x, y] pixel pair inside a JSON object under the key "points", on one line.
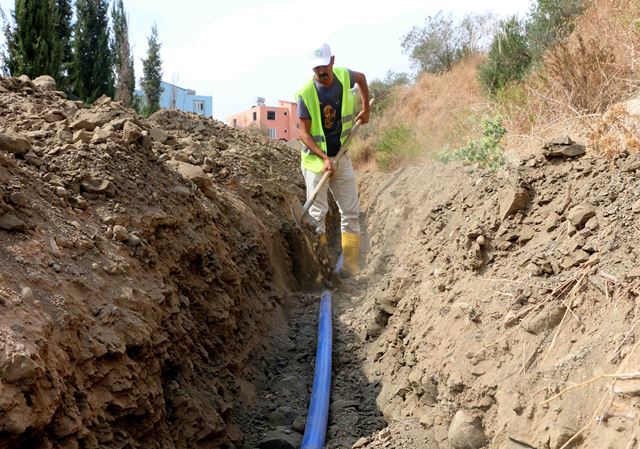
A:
{"points": [[237, 50]]}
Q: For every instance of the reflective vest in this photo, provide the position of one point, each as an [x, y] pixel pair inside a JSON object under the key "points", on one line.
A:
{"points": [[310, 97]]}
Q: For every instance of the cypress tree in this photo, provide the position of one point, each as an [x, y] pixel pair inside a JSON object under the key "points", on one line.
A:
{"points": [[92, 60], [64, 19], [152, 73], [34, 46], [123, 67]]}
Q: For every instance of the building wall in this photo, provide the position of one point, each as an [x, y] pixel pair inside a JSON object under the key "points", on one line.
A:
{"points": [[279, 122], [185, 99]]}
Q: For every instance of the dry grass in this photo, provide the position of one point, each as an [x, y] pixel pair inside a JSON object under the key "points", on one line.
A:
{"points": [[579, 89], [579, 81], [441, 110]]}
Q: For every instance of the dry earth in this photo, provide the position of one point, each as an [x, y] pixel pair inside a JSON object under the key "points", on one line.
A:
{"points": [[154, 292]]}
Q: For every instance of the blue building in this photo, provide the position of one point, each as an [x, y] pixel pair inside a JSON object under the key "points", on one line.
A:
{"points": [[175, 97]]}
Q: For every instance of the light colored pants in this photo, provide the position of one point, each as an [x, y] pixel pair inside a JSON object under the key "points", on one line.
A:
{"points": [[345, 192]]}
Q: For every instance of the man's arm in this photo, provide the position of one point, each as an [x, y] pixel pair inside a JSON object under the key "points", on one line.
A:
{"points": [[363, 88], [305, 137]]}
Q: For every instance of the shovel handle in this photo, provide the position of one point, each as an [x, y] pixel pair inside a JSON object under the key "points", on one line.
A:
{"points": [[327, 175]]}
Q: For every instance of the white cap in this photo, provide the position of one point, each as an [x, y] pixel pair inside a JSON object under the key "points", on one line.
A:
{"points": [[320, 56]]}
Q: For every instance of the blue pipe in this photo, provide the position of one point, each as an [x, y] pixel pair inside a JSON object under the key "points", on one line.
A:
{"points": [[318, 417]]}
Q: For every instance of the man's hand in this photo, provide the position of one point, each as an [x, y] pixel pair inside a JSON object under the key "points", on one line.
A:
{"points": [[364, 115], [328, 166]]}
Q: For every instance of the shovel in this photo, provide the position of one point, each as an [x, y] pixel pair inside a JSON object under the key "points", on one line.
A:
{"points": [[300, 212]]}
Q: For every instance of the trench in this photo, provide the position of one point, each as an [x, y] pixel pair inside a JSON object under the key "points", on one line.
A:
{"points": [[274, 416]]}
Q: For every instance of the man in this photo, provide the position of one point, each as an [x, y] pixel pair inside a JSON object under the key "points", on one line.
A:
{"points": [[325, 110]]}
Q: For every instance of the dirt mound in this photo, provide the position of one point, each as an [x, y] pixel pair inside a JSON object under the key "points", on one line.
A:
{"points": [[142, 263], [488, 294]]}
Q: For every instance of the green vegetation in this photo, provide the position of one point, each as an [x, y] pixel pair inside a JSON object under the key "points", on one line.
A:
{"points": [[443, 40], [397, 144], [93, 63], [37, 39], [124, 73], [518, 45], [152, 74], [381, 89], [87, 59], [486, 150]]}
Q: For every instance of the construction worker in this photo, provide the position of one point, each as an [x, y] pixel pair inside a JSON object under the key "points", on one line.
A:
{"points": [[325, 110]]}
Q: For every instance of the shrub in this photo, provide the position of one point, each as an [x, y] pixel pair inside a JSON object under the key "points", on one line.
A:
{"points": [[486, 150], [397, 144], [508, 58]]}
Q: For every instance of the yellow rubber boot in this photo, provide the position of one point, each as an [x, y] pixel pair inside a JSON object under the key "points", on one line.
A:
{"points": [[350, 252]]}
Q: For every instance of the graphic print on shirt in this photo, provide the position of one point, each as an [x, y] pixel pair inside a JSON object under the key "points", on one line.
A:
{"points": [[329, 115]]}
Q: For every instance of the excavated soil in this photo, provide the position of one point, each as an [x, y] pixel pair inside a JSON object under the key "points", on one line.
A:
{"points": [[155, 293]]}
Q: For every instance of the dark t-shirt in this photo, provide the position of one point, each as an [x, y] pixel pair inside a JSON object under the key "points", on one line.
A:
{"points": [[330, 110]]}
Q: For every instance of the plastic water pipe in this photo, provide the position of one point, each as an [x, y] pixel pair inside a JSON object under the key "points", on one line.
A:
{"points": [[318, 416]]}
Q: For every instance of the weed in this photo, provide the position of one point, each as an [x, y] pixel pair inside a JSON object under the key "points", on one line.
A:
{"points": [[486, 150]]}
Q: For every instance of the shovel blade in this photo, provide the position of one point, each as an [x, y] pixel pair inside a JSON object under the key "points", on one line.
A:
{"points": [[300, 216]]}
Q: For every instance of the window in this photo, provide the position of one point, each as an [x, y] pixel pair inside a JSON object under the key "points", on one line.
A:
{"points": [[255, 116], [272, 133], [271, 115], [198, 106]]}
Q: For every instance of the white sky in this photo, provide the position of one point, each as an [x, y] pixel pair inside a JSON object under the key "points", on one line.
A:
{"points": [[239, 49]]}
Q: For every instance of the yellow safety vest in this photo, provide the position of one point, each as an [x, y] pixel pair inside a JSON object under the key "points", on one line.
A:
{"points": [[310, 97]]}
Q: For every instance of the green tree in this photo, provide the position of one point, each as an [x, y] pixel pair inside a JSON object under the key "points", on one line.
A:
{"points": [[152, 73], [124, 72], [443, 40], [550, 20], [33, 44], [508, 59], [381, 89], [64, 27], [92, 64]]}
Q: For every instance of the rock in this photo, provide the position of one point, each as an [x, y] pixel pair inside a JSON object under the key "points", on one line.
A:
{"points": [[281, 438], [9, 222], [547, 318], [103, 135], [192, 172], [20, 367], [551, 222], [513, 201], [131, 132], [159, 135], [466, 432], [18, 199], [33, 159], [282, 416], [299, 424], [533, 269], [579, 215], [89, 120], [120, 233], [634, 274], [98, 186], [102, 100], [636, 207], [45, 82], [560, 435], [563, 147], [133, 241], [82, 135], [630, 164], [361, 442], [4, 175], [14, 143], [627, 387]]}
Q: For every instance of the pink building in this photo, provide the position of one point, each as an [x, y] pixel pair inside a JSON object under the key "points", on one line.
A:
{"points": [[278, 122]]}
